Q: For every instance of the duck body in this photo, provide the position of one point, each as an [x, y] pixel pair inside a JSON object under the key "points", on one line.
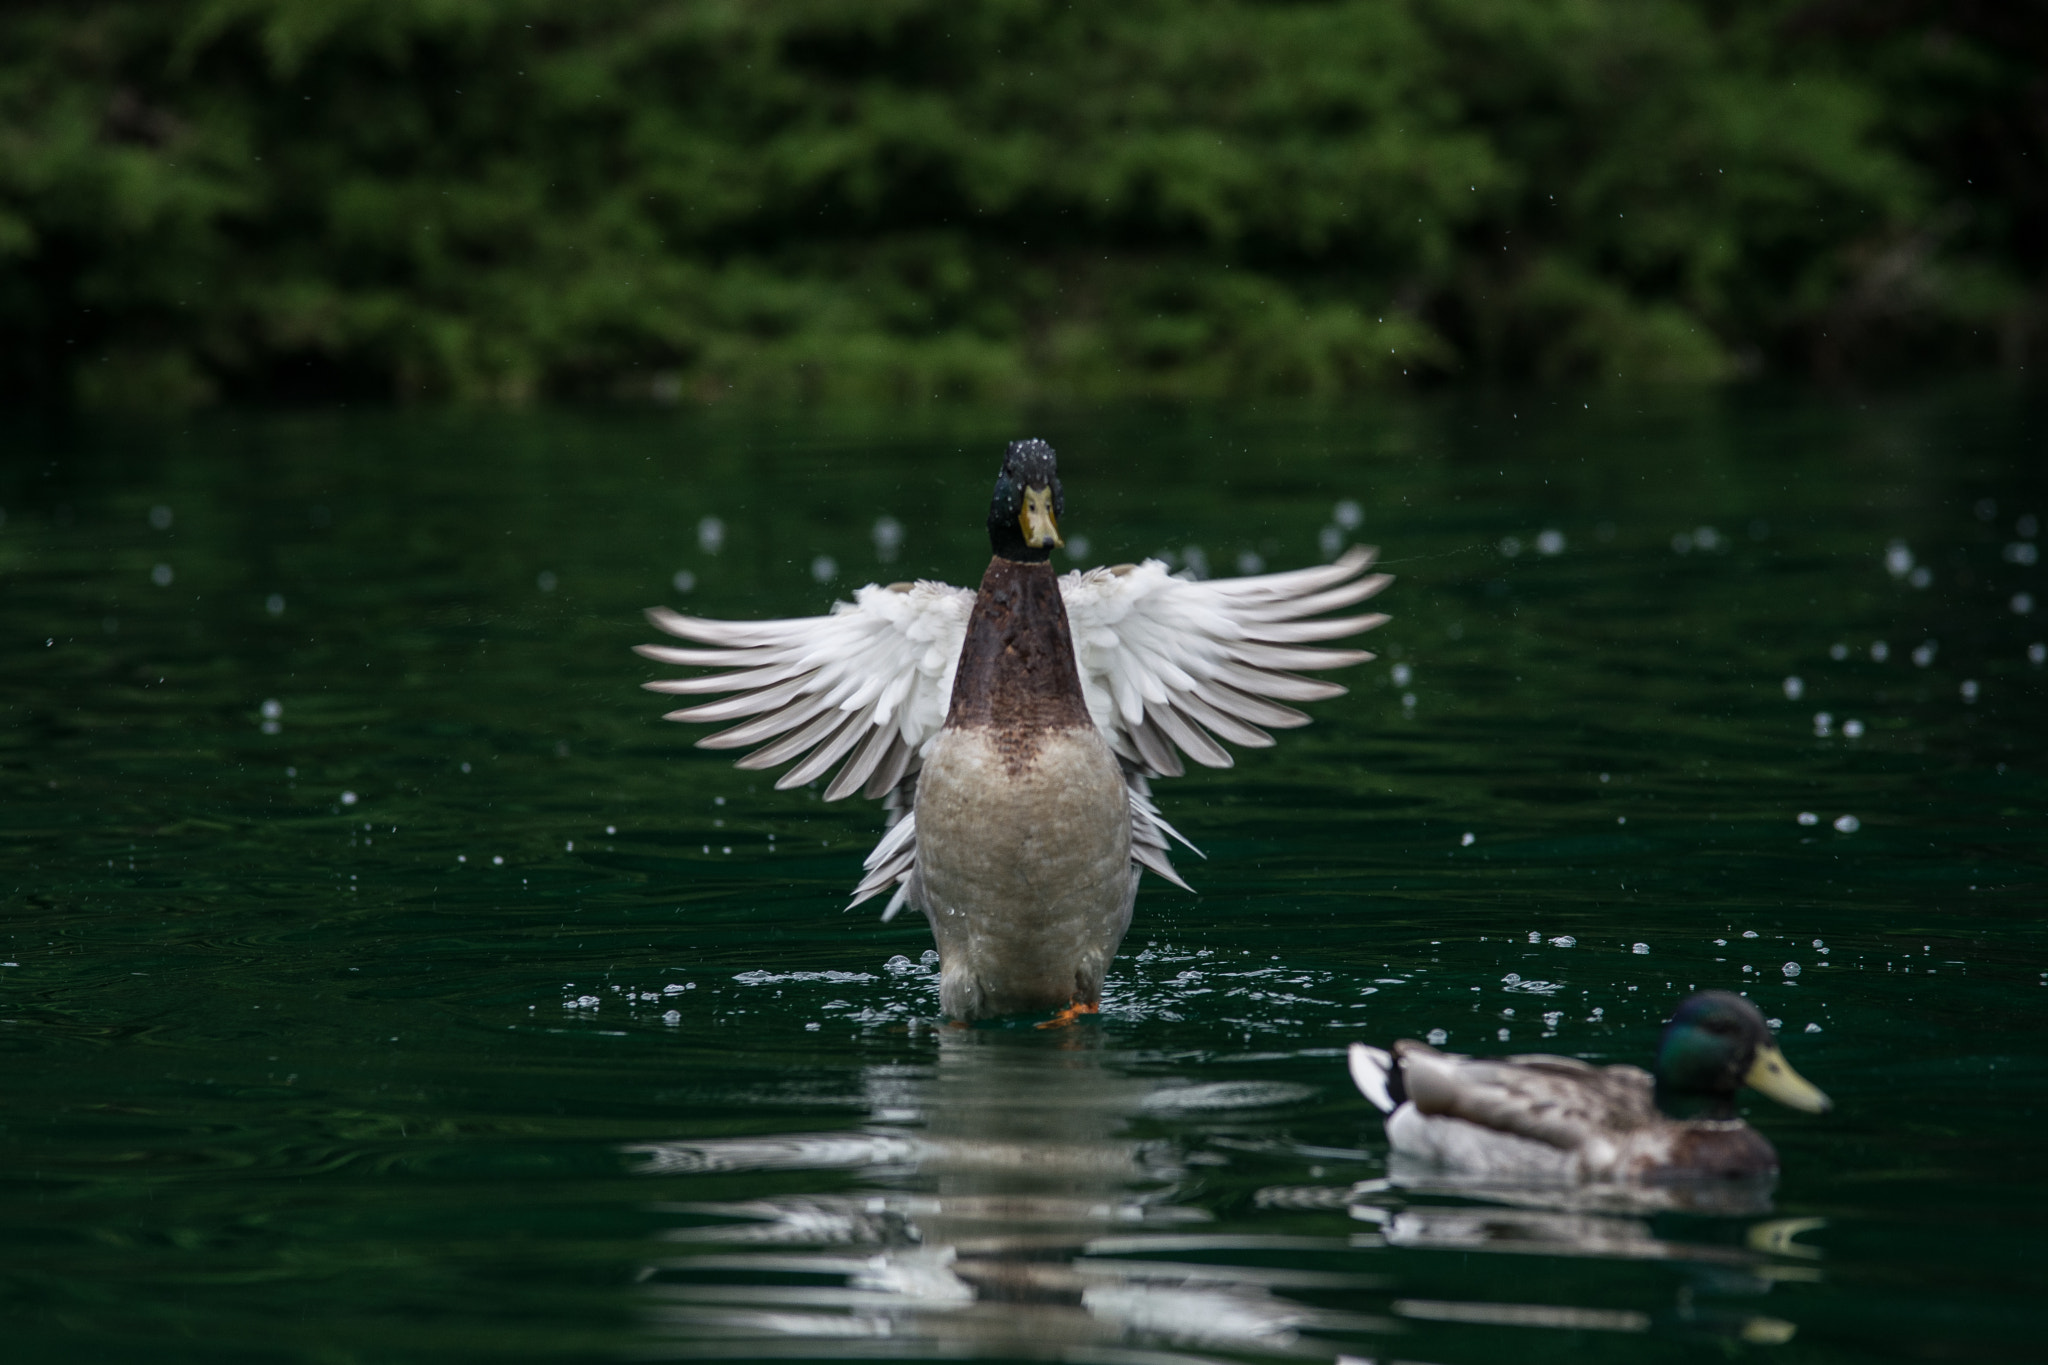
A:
{"points": [[1023, 860], [1013, 732], [1555, 1120], [1546, 1119]]}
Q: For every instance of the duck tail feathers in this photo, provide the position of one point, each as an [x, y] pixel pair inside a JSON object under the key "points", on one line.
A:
{"points": [[1372, 1071]]}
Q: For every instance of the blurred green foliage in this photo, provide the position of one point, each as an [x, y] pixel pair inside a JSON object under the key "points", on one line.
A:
{"points": [[504, 199]]}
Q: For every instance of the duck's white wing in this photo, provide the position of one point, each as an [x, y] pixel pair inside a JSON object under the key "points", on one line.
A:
{"points": [[1171, 666], [867, 684]]}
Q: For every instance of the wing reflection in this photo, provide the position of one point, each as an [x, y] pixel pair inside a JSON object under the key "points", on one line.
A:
{"points": [[999, 1205]]}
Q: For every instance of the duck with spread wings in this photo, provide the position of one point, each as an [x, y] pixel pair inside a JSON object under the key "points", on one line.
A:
{"points": [[1013, 732]]}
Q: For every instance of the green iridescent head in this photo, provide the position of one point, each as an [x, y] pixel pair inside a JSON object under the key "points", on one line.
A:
{"points": [[1715, 1043]]}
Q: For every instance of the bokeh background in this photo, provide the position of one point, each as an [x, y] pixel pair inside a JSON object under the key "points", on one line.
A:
{"points": [[516, 200]]}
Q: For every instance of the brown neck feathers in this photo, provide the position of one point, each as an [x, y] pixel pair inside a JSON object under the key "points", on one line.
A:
{"points": [[1017, 664]]}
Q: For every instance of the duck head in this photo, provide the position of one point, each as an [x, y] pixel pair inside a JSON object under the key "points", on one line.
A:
{"points": [[1023, 516], [1716, 1043]]}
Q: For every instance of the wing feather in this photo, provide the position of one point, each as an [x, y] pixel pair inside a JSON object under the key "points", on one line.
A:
{"points": [[870, 678], [1171, 666]]}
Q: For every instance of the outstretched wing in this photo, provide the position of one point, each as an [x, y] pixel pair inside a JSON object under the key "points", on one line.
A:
{"points": [[1169, 664], [868, 684]]}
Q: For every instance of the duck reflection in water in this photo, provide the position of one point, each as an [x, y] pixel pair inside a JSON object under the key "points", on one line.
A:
{"points": [[1001, 1205]]}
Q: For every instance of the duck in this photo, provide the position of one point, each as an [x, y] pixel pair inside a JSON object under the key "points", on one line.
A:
{"points": [[1545, 1119], [1012, 732]]}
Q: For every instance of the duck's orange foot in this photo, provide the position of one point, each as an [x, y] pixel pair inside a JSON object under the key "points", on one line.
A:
{"points": [[1071, 1013]]}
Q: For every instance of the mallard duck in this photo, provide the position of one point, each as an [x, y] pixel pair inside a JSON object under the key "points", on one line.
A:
{"points": [[1013, 732], [1557, 1119]]}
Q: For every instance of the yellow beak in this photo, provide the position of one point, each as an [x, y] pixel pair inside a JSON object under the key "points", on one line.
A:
{"points": [[1773, 1075], [1040, 530]]}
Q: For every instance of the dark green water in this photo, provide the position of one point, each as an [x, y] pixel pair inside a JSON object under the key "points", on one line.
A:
{"points": [[297, 1069]]}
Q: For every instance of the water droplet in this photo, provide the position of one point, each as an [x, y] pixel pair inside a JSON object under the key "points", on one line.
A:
{"points": [[824, 568], [1847, 824], [274, 604], [546, 581], [1970, 689], [1640, 949], [161, 575], [1348, 514], [1807, 817], [1795, 688], [1898, 560], [1467, 840], [1510, 546], [160, 517], [710, 535], [1401, 674], [348, 798], [1852, 729], [1550, 542], [1437, 1037]]}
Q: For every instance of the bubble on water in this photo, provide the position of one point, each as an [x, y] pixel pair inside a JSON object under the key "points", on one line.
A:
{"points": [[1852, 729], [1790, 969], [1467, 840], [1639, 949], [1437, 1037], [497, 860], [1249, 562], [160, 517], [2022, 604], [546, 581], [1823, 723], [1923, 653], [1807, 817], [888, 537], [1747, 968], [812, 1028], [1348, 514], [1879, 651], [1330, 541], [1502, 1035], [1969, 689], [710, 535], [1564, 941], [1795, 687], [1534, 937], [683, 581], [1510, 546], [1813, 1028], [824, 568], [1898, 560], [1749, 933], [1401, 674], [1847, 824], [1838, 652], [1550, 542], [672, 1017], [272, 709], [929, 957], [1819, 944], [161, 575], [611, 829], [348, 798]]}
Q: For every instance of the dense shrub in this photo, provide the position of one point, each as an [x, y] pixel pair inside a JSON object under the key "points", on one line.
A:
{"points": [[676, 198]]}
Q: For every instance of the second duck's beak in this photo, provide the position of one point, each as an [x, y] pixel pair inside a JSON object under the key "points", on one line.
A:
{"points": [[1774, 1076], [1040, 530]]}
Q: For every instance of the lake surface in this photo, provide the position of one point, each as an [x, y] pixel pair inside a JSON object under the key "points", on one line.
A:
{"points": [[385, 981]]}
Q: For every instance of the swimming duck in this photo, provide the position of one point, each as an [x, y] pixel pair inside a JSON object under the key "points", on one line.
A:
{"points": [[1013, 732], [1538, 1118]]}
